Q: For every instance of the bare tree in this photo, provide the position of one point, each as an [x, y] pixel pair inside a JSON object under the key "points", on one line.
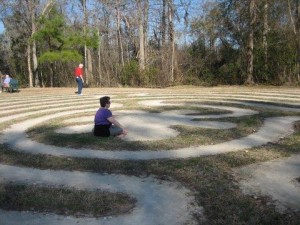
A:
{"points": [[119, 33], [163, 23], [145, 27], [265, 33], [171, 38], [295, 21], [32, 6], [85, 19], [141, 55], [252, 18]]}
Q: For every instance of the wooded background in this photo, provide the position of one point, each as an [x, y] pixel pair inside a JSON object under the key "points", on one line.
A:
{"points": [[151, 43]]}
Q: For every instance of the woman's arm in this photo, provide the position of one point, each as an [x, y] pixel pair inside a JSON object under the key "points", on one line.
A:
{"points": [[115, 122]]}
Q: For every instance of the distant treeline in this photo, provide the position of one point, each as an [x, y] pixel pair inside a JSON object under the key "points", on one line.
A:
{"points": [[151, 43]]}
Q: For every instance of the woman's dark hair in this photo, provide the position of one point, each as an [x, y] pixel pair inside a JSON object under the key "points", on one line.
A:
{"points": [[104, 100]]}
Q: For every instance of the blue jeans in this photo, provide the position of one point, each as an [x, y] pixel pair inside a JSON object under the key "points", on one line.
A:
{"points": [[79, 84], [115, 131]]}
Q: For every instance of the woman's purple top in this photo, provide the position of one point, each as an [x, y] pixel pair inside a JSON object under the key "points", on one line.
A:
{"points": [[101, 117]]}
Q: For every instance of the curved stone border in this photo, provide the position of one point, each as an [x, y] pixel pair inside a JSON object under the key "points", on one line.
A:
{"points": [[85, 108], [272, 130], [157, 202], [275, 179]]}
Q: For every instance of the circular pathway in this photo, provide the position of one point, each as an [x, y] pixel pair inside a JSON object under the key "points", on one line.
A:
{"points": [[157, 202]]}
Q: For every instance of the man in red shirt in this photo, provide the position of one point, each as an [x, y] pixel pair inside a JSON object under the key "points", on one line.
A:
{"points": [[79, 78]]}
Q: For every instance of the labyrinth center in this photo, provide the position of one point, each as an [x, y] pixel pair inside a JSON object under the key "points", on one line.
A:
{"points": [[150, 117]]}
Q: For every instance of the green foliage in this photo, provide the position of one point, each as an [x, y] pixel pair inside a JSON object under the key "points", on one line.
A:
{"points": [[191, 79], [222, 39], [92, 39], [63, 56], [151, 76], [130, 74], [51, 28], [229, 66], [197, 48], [74, 39], [56, 42], [208, 67], [281, 58]]}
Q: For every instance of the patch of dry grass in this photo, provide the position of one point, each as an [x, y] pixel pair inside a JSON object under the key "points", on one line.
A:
{"points": [[63, 201]]}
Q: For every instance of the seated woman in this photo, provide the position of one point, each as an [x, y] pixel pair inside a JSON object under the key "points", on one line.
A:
{"points": [[105, 123], [6, 81]]}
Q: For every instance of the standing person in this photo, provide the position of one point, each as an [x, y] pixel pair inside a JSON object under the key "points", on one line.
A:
{"points": [[79, 78], [105, 123]]}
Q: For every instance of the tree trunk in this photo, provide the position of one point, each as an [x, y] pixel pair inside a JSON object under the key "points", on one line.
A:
{"points": [[141, 55], [29, 64], [119, 35], [31, 8], [35, 65], [86, 71], [250, 57], [265, 35], [296, 28], [34, 57], [99, 80], [298, 38], [172, 39], [162, 45], [163, 24], [146, 10], [89, 65], [52, 75]]}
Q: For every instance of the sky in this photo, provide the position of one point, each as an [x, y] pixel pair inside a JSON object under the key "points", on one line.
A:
{"points": [[1, 27], [193, 3]]}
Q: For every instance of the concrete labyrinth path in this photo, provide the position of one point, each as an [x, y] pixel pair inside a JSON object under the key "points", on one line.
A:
{"points": [[157, 201]]}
